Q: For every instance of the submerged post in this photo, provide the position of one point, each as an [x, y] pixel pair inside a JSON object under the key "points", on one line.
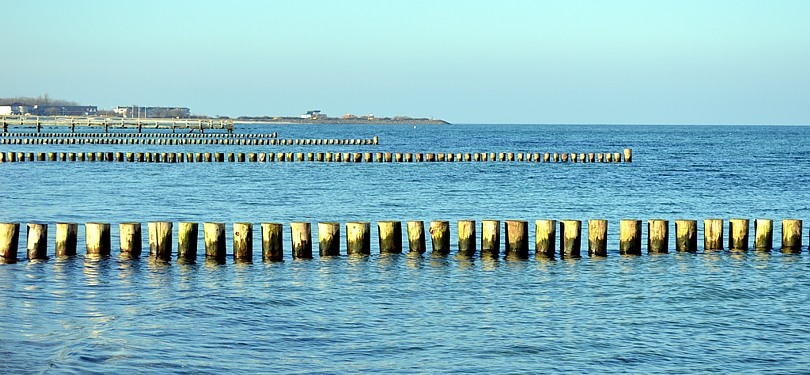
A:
{"points": [[440, 236], [301, 238], [187, 234], [738, 234], [416, 236], [160, 240], [713, 234], [272, 242], [791, 236], [214, 236], [66, 238], [597, 237], [243, 242], [466, 238], [657, 236], [545, 239], [686, 236], [130, 239], [763, 234], [9, 240], [329, 239], [358, 238], [97, 237], [517, 239], [37, 237], [570, 238], [630, 237], [390, 236]]}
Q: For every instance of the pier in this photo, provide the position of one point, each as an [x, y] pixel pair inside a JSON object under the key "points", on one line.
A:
{"points": [[107, 123]]}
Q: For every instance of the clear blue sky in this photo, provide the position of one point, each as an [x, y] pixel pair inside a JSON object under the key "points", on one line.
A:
{"points": [[568, 61]]}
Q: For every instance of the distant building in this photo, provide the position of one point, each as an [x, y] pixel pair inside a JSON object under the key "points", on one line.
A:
{"points": [[154, 112], [64, 110], [314, 114], [15, 108]]}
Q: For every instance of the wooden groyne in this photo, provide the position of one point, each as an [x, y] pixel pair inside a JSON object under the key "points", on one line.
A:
{"points": [[108, 123], [515, 239], [344, 157], [167, 141], [137, 135]]}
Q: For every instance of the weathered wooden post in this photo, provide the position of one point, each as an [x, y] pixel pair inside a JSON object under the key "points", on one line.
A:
{"points": [[160, 240], [187, 235], [301, 238], [657, 236], [570, 238], [358, 238], [390, 236], [272, 242], [713, 234], [416, 236], [466, 238], [597, 237], [628, 155], [329, 239], [243, 242], [490, 238], [9, 240], [440, 236], [545, 239], [214, 237], [738, 234], [630, 237], [66, 238], [686, 236], [791, 236], [763, 234], [517, 239], [130, 239], [97, 237], [37, 236]]}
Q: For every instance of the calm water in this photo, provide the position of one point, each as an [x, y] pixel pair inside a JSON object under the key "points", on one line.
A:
{"points": [[712, 311]]}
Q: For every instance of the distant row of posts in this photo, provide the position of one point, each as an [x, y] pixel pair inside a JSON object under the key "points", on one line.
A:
{"points": [[516, 241]]}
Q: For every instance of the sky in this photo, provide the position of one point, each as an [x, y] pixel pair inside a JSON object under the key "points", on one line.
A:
{"points": [[509, 61]]}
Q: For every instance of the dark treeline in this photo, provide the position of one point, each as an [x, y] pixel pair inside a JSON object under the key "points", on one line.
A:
{"points": [[40, 100]]}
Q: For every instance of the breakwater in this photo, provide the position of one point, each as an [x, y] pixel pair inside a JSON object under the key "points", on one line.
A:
{"points": [[510, 235], [107, 123], [185, 141], [347, 157]]}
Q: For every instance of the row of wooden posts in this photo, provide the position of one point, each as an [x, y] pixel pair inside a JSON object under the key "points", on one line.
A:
{"points": [[348, 157], [137, 135], [185, 141], [358, 237]]}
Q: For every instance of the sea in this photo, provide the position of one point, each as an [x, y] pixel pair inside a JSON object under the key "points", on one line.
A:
{"points": [[703, 312]]}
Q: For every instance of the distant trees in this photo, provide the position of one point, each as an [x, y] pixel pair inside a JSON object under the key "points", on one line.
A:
{"points": [[40, 100]]}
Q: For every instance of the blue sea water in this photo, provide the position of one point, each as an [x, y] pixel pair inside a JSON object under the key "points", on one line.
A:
{"points": [[705, 312]]}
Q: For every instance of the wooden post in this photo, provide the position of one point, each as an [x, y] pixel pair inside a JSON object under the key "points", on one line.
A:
{"points": [[517, 239], [97, 237], [545, 239], [738, 234], [301, 236], [713, 234], [390, 236], [130, 239], [416, 236], [791, 236], [272, 242], [358, 238], [570, 238], [9, 240], [597, 237], [657, 236], [440, 236], [66, 238], [187, 235], [466, 238], [763, 234], [214, 237], [329, 239], [160, 240], [630, 237], [37, 236], [243, 242], [628, 155], [686, 236], [490, 238]]}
